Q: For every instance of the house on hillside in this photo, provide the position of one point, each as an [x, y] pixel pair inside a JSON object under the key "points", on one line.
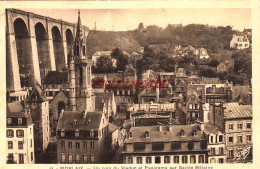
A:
{"points": [[202, 53], [239, 42]]}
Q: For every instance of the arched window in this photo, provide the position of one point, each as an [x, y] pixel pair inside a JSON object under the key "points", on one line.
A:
{"points": [[80, 76], [77, 50], [9, 121], [77, 133], [20, 121], [62, 133], [92, 133], [147, 135], [84, 50]]}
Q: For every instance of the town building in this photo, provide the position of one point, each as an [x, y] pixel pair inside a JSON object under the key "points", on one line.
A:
{"points": [[39, 110], [82, 137], [216, 143], [54, 82], [19, 135], [124, 93], [239, 42], [202, 53], [217, 93], [166, 144], [236, 121], [193, 109]]}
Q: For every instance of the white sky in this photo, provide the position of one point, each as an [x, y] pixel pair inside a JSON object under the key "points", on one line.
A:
{"points": [[129, 19]]}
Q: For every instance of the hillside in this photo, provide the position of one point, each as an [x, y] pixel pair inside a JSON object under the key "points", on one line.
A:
{"points": [[108, 40], [212, 38]]}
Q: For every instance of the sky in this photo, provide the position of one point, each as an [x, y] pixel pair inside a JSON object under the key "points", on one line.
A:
{"points": [[129, 19]]}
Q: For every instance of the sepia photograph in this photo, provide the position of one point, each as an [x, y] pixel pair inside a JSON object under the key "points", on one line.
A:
{"points": [[129, 86]]}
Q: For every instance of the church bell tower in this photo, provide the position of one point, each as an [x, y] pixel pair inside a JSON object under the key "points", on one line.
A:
{"points": [[80, 94]]}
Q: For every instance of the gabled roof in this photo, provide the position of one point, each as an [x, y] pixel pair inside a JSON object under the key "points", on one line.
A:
{"points": [[61, 92], [92, 121], [56, 77], [37, 91], [236, 111]]}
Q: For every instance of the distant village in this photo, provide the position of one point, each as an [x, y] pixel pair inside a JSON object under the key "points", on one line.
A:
{"points": [[135, 114]]}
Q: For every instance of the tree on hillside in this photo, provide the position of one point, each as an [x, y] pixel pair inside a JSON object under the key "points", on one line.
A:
{"points": [[104, 64], [141, 26], [148, 52], [214, 63], [121, 58]]}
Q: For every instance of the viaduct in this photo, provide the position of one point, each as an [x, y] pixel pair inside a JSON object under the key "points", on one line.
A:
{"points": [[35, 44]]}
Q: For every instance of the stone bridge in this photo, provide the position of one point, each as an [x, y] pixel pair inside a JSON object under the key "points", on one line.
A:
{"points": [[35, 44]]}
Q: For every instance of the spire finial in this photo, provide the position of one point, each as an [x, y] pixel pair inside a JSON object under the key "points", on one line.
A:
{"points": [[79, 12]]}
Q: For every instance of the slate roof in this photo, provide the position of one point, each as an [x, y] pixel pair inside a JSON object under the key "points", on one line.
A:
{"points": [[195, 88], [148, 93], [234, 111], [211, 128], [22, 115], [56, 77], [207, 80], [241, 92], [138, 133], [66, 121], [15, 107]]}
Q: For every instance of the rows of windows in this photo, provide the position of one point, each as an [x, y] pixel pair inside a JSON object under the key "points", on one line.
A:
{"points": [[240, 138], [10, 133], [20, 121], [219, 160], [193, 106], [216, 139], [167, 159], [240, 125], [10, 158], [20, 144], [124, 100], [77, 158], [84, 145], [124, 92], [77, 132], [220, 151]]}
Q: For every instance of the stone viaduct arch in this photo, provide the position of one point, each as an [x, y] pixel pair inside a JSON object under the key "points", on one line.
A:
{"points": [[35, 44]]}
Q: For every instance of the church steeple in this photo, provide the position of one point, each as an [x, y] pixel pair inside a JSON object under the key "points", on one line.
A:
{"points": [[79, 32], [80, 72]]}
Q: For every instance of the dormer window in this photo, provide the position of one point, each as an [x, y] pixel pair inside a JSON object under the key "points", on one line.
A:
{"points": [[9, 121], [89, 121], [195, 133], [20, 121], [77, 133], [130, 135], [62, 133], [182, 133], [74, 121], [147, 135], [92, 133]]}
